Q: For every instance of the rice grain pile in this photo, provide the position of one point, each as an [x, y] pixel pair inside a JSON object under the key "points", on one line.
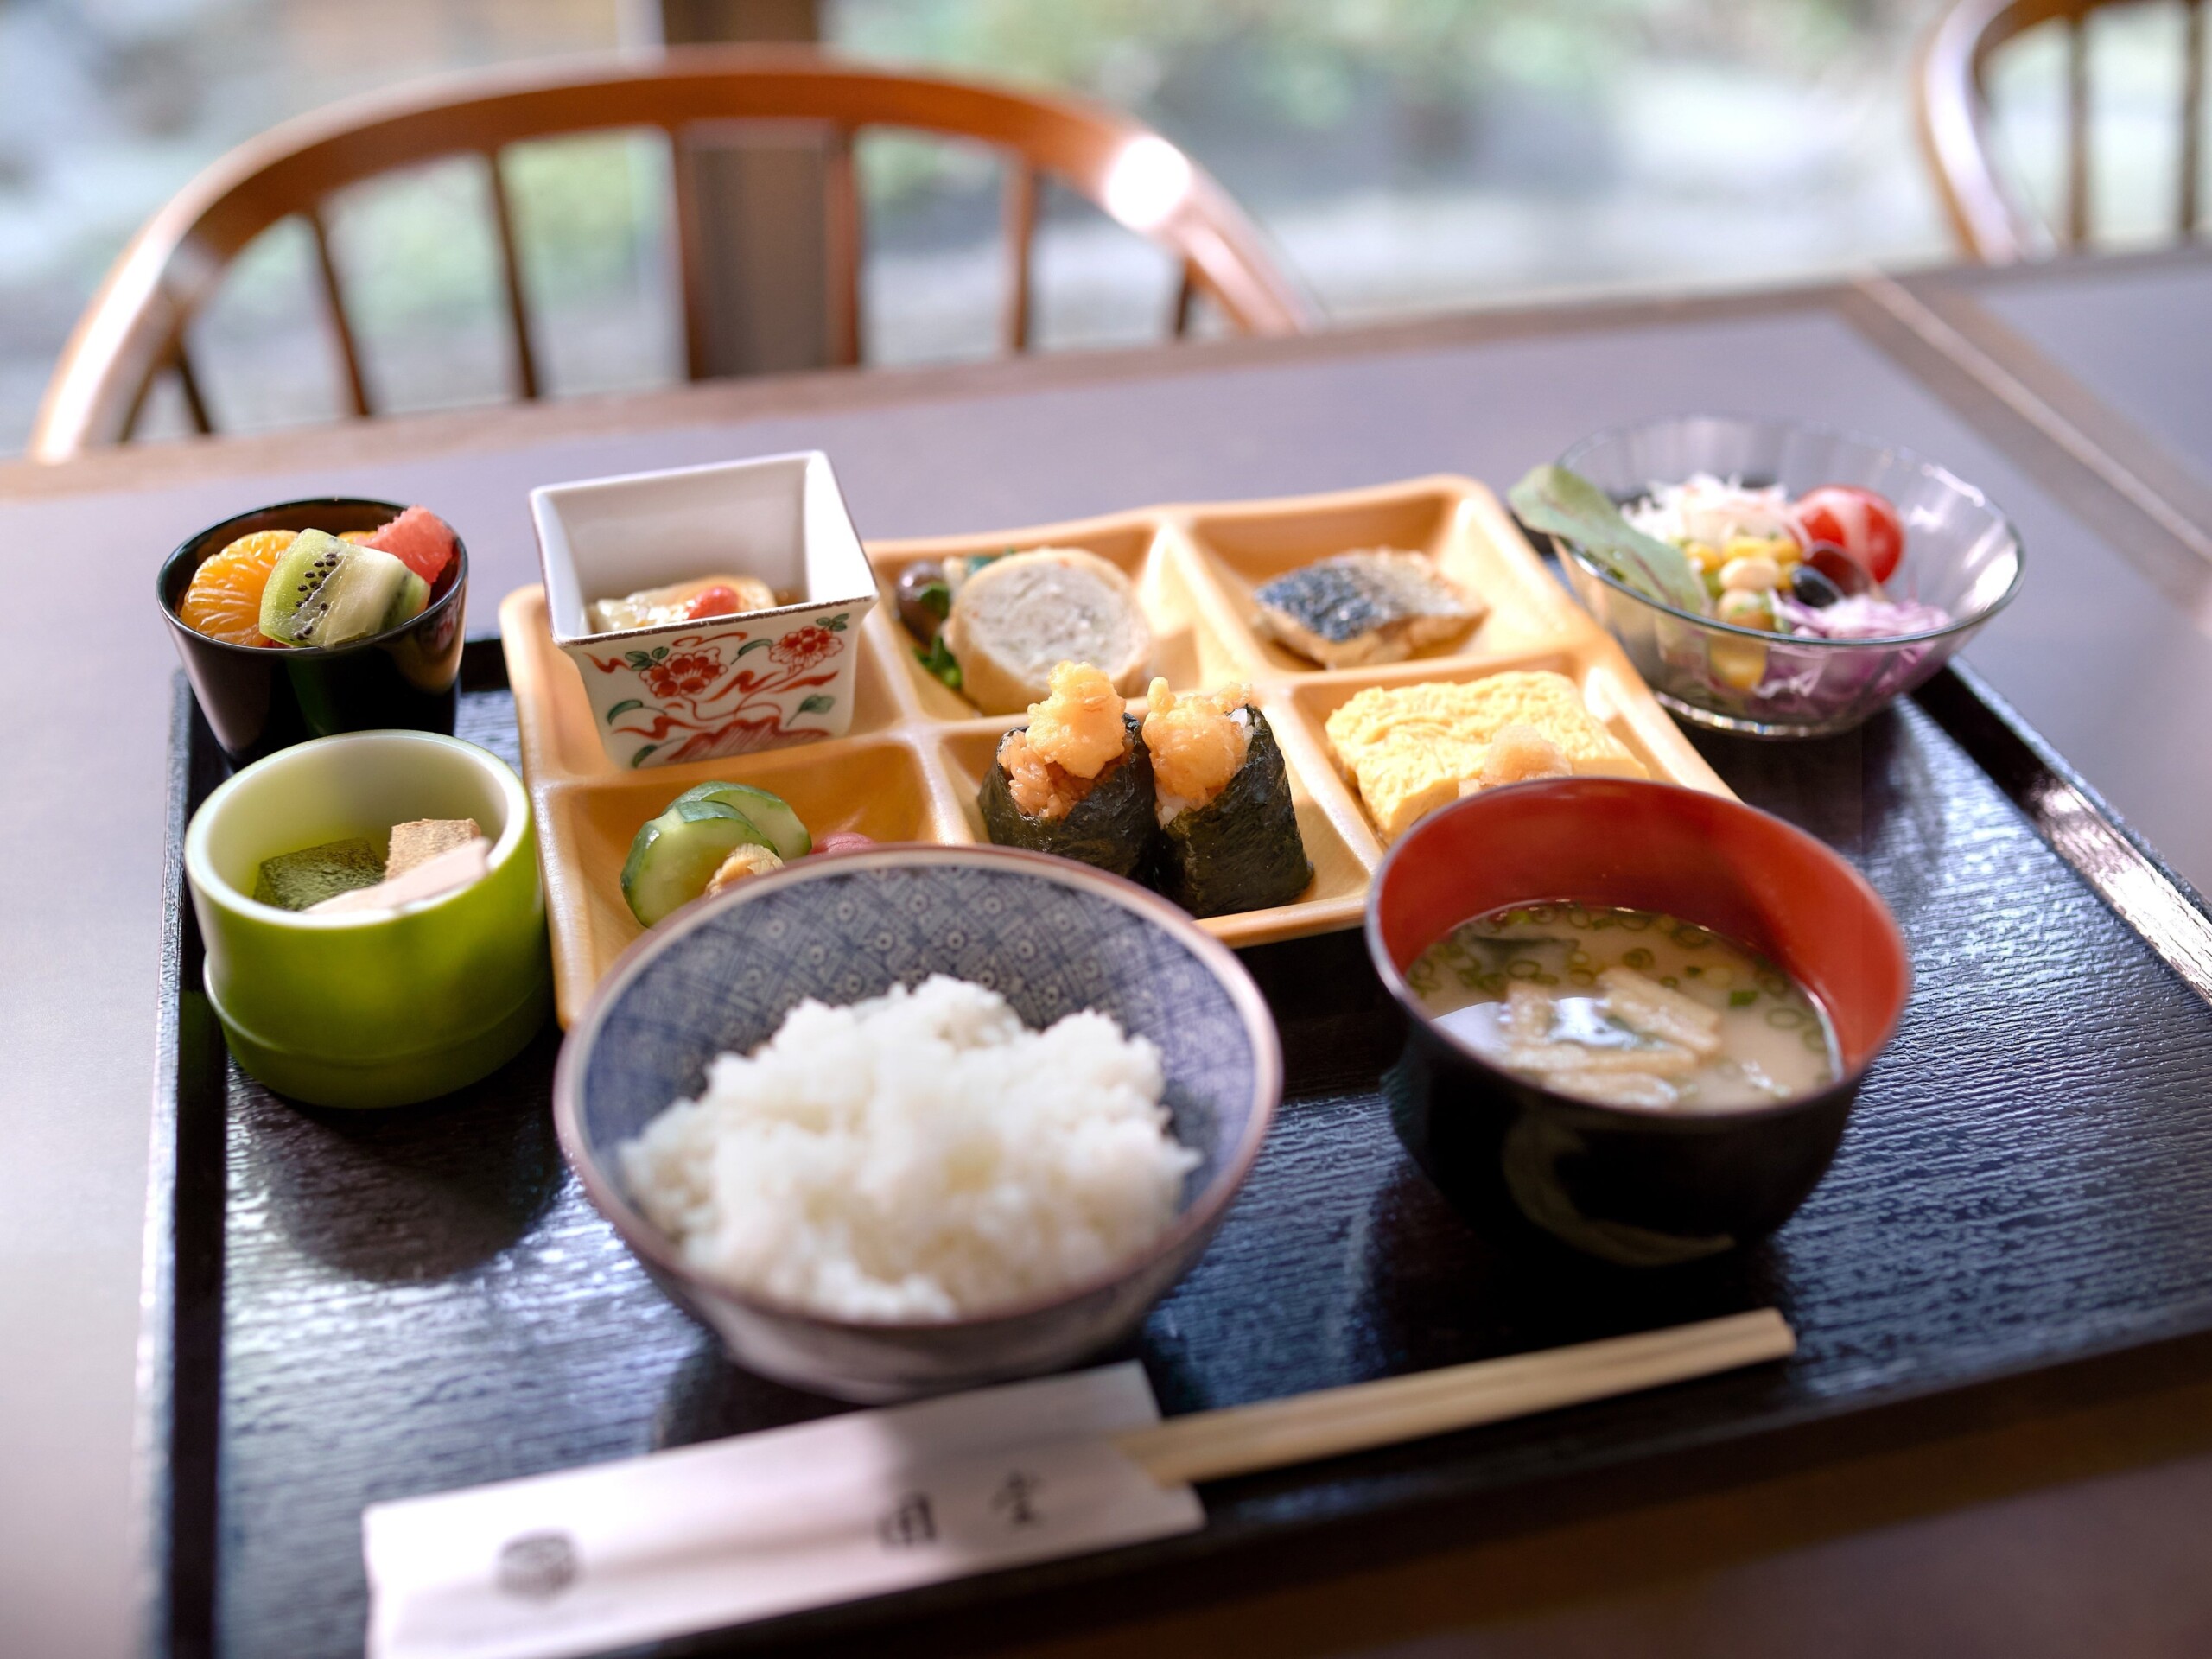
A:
{"points": [[921, 1155]]}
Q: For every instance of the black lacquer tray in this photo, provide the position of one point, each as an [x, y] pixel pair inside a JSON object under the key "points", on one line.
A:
{"points": [[348, 1307]]}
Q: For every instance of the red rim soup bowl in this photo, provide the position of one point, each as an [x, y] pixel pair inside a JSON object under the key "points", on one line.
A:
{"points": [[1634, 1187]]}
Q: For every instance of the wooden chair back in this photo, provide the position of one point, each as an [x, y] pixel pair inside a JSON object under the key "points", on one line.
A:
{"points": [[1992, 223], [134, 329]]}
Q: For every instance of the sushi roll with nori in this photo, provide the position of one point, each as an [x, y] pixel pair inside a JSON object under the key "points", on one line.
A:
{"points": [[1229, 837], [1077, 781]]}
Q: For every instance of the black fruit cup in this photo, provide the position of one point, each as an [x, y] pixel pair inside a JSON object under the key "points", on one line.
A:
{"points": [[1634, 1188], [259, 699]]}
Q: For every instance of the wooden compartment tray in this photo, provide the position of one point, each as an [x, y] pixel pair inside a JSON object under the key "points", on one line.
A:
{"points": [[911, 765]]}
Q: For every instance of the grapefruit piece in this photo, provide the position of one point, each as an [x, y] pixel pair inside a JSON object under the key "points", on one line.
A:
{"points": [[224, 602], [419, 539]]}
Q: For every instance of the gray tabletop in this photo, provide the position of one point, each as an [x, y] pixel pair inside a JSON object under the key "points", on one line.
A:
{"points": [[2140, 337], [2090, 653]]}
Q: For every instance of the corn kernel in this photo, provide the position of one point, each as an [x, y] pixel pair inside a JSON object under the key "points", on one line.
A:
{"points": [[1739, 663], [1703, 556]]}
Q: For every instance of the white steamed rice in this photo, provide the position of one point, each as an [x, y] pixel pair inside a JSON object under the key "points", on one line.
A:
{"points": [[921, 1155]]}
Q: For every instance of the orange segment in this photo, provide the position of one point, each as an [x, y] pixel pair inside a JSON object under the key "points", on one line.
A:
{"points": [[224, 602]]}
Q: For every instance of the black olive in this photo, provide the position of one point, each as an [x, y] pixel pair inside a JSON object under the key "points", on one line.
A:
{"points": [[924, 599], [1848, 575], [1808, 587]]}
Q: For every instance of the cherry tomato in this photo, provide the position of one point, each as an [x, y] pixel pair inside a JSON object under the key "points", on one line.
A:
{"points": [[1864, 525], [717, 600]]}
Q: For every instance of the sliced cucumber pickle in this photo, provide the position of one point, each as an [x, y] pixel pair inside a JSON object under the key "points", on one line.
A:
{"points": [[676, 855], [771, 813]]}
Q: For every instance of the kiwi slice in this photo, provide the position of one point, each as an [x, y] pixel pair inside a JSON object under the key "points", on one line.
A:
{"points": [[295, 587], [325, 592], [371, 591]]}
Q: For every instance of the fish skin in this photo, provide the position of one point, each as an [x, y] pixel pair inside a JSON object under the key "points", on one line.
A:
{"points": [[1377, 604]]}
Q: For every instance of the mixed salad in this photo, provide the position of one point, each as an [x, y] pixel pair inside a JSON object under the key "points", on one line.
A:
{"points": [[1809, 567], [1812, 567]]}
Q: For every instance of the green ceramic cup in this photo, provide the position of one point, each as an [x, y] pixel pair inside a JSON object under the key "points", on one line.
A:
{"points": [[376, 1007]]}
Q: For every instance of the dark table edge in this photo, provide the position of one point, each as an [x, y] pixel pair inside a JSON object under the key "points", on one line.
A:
{"points": [[2093, 460], [155, 1449], [182, 1293], [1950, 310], [182, 1318], [248, 455]]}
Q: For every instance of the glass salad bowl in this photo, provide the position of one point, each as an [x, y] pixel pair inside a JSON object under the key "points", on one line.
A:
{"points": [[1962, 555]]}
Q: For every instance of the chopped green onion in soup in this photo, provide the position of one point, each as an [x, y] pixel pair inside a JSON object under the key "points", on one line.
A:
{"points": [[1626, 1008]]}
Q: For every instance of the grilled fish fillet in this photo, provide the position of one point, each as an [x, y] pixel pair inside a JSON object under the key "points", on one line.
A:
{"points": [[1377, 606]]}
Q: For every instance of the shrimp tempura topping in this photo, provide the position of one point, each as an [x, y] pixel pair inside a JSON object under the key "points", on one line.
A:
{"points": [[1196, 748], [1079, 727]]}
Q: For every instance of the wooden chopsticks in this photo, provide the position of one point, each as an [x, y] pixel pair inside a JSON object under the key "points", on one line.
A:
{"points": [[1275, 1434]]}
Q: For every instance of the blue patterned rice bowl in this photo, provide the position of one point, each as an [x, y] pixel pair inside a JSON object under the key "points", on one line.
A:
{"points": [[1053, 937]]}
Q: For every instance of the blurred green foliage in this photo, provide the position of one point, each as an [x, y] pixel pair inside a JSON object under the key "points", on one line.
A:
{"points": [[1306, 61], [589, 204], [1192, 66], [420, 246]]}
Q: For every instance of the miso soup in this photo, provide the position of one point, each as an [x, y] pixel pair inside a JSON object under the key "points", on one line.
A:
{"points": [[1626, 1008]]}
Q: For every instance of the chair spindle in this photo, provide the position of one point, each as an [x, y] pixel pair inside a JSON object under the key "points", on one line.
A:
{"points": [[340, 324], [690, 253], [842, 250], [511, 270], [2077, 130], [1187, 297], [188, 382], [2192, 117], [1018, 215], [133, 415]]}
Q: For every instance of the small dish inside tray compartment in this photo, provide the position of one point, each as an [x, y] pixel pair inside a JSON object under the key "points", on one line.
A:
{"points": [[918, 750]]}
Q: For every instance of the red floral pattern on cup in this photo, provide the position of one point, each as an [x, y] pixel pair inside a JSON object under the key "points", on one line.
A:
{"points": [[685, 675], [802, 648], [708, 699]]}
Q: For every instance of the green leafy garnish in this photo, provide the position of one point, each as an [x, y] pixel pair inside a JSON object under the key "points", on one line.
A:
{"points": [[936, 658], [1742, 999], [965, 565], [936, 598], [1565, 504]]}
